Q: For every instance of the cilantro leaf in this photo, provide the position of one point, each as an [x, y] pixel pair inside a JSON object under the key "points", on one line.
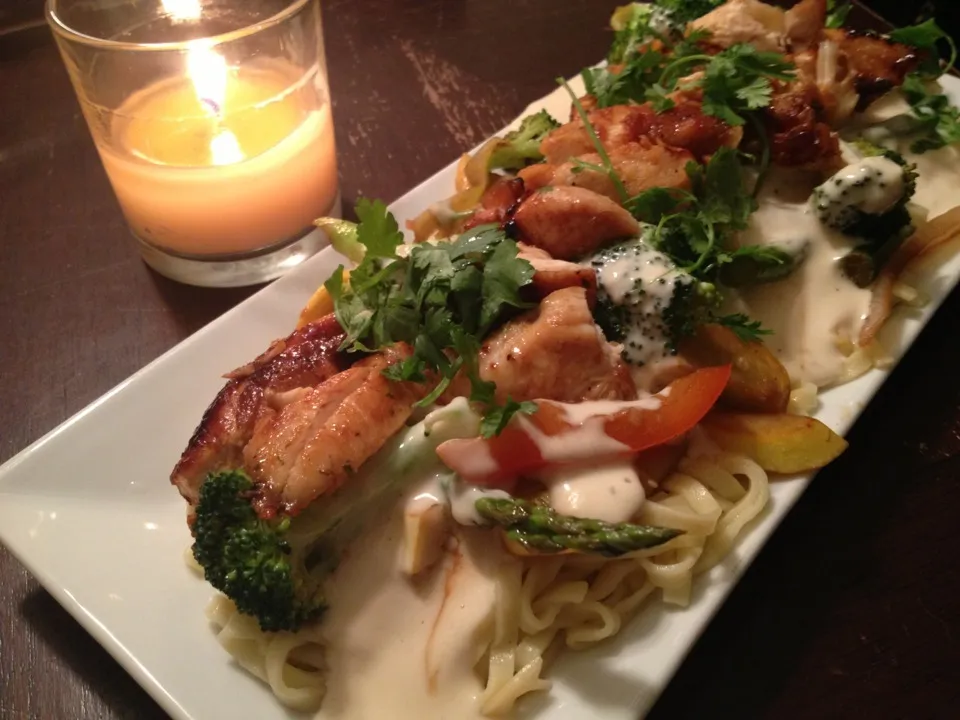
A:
{"points": [[495, 420], [651, 205], [696, 231], [746, 329], [925, 36], [377, 231], [503, 276], [837, 13], [441, 299], [737, 80], [595, 140], [939, 120]]}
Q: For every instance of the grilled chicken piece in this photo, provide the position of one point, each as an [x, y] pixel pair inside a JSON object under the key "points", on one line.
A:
{"points": [[551, 274], [312, 445], [684, 126], [570, 222], [304, 359], [498, 202], [803, 24], [797, 136], [555, 352], [877, 63], [639, 165], [744, 21]]}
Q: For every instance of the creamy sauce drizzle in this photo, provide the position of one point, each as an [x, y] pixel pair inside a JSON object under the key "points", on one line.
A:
{"points": [[640, 282], [873, 185], [937, 169], [611, 492], [816, 306], [405, 646]]}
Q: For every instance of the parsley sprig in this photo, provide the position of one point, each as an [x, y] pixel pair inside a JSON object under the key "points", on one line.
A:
{"points": [[442, 299], [926, 36], [695, 227], [733, 82], [837, 12], [938, 120], [743, 327]]}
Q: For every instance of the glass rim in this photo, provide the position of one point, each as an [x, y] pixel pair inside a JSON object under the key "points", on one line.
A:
{"points": [[68, 33]]}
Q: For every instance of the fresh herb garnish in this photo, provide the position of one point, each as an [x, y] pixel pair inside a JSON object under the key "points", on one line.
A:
{"points": [[733, 82], [641, 67], [607, 166], [925, 36], [938, 120], [837, 13], [498, 418], [442, 299], [633, 25], [694, 227], [746, 329]]}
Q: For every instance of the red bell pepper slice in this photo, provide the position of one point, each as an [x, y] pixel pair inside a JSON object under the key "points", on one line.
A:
{"points": [[499, 461]]}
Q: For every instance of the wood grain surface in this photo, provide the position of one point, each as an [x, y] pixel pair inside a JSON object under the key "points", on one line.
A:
{"points": [[851, 611]]}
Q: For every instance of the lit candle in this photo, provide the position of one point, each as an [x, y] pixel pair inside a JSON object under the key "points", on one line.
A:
{"points": [[224, 160]]}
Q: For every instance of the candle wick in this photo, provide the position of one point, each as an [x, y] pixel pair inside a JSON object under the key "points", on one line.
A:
{"points": [[212, 104]]}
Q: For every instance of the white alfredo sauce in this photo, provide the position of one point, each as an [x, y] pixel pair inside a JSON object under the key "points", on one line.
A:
{"points": [[611, 492], [814, 309], [936, 169], [640, 282], [873, 185]]}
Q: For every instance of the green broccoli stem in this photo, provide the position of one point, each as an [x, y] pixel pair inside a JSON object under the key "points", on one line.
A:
{"points": [[540, 529]]}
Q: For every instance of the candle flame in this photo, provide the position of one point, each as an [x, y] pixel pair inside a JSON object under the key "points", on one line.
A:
{"points": [[179, 10], [207, 70]]}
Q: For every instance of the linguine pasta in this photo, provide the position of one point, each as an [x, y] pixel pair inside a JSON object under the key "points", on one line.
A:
{"points": [[291, 664], [578, 601], [544, 604]]}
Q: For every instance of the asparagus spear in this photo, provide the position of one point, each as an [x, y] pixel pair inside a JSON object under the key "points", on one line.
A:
{"points": [[539, 529]]}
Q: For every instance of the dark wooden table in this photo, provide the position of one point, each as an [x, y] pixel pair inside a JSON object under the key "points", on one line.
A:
{"points": [[852, 610]]}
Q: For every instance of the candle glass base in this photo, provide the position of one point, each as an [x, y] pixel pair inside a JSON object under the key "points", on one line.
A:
{"points": [[214, 125], [226, 271]]}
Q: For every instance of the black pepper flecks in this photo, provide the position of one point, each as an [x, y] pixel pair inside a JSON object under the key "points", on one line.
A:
{"points": [[637, 319]]}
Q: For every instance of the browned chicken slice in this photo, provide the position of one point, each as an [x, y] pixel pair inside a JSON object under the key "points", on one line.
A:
{"points": [[797, 136], [312, 445], [551, 274], [280, 435], [304, 359], [554, 352], [803, 24], [744, 21], [497, 202], [639, 165], [570, 222], [878, 64], [684, 126]]}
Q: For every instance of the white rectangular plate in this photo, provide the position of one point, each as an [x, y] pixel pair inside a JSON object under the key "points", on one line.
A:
{"points": [[89, 510]]}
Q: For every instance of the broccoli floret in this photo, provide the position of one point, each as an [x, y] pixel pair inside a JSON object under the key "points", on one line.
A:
{"points": [[249, 559], [521, 147], [646, 302], [868, 199]]}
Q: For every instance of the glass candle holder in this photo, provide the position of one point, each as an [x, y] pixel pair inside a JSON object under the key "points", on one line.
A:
{"points": [[212, 119]]}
